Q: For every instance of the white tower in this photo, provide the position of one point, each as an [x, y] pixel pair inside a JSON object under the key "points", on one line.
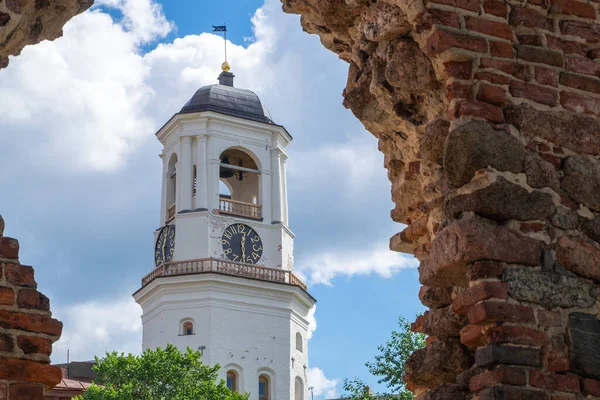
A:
{"points": [[223, 280]]}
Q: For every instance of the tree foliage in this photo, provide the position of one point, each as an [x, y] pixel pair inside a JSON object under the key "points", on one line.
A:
{"points": [[388, 365], [161, 374]]}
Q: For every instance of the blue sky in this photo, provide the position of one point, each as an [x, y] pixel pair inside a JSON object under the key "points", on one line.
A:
{"points": [[77, 123]]}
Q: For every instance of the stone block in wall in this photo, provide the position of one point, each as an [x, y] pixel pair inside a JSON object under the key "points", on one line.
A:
{"points": [[583, 338], [476, 145], [581, 180], [579, 256], [549, 289]]}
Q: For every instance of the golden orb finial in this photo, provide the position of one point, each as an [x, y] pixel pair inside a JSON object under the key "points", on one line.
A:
{"points": [[225, 66]]}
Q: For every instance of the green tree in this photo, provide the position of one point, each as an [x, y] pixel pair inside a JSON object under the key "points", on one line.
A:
{"points": [[161, 374], [388, 365]]}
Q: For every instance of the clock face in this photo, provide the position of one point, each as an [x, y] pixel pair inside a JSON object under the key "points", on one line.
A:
{"points": [[241, 243], [165, 245]]}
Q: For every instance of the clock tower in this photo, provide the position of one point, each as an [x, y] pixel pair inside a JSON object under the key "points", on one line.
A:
{"points": [[223, 279]]}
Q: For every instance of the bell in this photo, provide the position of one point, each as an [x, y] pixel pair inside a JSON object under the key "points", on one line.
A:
{"points": [[225, 172]]}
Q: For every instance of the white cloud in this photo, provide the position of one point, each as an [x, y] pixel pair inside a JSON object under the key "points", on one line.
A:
{"points": [[94, 328], [322, 385], [324, 266], [312, 322]]}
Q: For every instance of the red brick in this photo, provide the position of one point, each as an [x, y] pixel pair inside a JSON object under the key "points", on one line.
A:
{"points": [[583, 65], [558, 362], [30, 371], [563, 396], [458, 90], [7, 343], [26, 391], [477, 293], [480, 110], [511, 393], [459, 69], [529, 40], [588, 31], [530, 18], [566, 46], [580, 82], [573, 7], [501, 49], [32, 299], [519, 71], [495, 7], [519, 335], [500, 375], [551, 158], [528, 227], [472, 5], [560, 383], [30, 323], [580, 103], [590, 387], [9, 247], [20, 275], [540, 55], [549, 318], [493, 355], [440, 41], [32, 345], [485, 269], [7, 296], [492, 78], [535, 93], [491, 94], [496, 311], [435, 16], [3, 391], [492, 28], [546, 76]]}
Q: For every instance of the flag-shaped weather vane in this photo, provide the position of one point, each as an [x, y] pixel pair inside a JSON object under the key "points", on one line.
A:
{"points": [[223, 28]]}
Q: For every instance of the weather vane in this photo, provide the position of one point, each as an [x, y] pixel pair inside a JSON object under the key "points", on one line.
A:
{"points": [[223, 28]]}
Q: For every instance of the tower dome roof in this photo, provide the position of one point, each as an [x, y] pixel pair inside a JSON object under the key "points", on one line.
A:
{"points": [[226, 99]]}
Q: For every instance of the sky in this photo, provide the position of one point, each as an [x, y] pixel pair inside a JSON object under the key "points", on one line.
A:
{"points": [[81, 172]]}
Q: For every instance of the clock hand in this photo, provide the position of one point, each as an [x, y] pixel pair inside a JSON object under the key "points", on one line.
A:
{"points": [[243, 245]]}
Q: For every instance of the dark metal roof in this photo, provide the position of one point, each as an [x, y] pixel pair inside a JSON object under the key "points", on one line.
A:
{"points": [[228, 100]]}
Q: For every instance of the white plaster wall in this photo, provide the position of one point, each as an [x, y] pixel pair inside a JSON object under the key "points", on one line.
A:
{"points": [[249, 325]]}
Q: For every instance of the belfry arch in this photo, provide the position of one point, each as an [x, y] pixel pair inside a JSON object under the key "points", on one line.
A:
{"points": [[240, 173]]}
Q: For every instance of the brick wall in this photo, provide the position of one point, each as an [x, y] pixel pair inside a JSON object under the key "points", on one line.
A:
{"points": [[27, 329], [488, 114]]}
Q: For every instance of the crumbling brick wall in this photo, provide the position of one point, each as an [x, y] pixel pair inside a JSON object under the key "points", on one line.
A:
{"points": [[24, 22], [27, 329], [488, 113]]}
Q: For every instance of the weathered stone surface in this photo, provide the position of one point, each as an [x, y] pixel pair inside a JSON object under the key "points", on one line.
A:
{"points": [[582, 180], [592, 228], [471, 239], [557, 127], [442, 323], [579, 256], [432, 143], [540, 173], [438, 363], [29, 23], [383, 21], [476, 145], [565, 218], [583, 337], [549, 289], [435, 297], [502, 200]]}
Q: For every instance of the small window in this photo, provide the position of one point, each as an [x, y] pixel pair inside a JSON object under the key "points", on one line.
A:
{"points": [[232, 381], [263, 388], [298, 341], [188, 328]]}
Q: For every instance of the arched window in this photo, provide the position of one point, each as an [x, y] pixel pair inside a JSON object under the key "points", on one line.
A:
{"points": [[298, 341], [263, 388], [239, 173], [299, 389], [232, 381], [171, 187], [187, 327]]}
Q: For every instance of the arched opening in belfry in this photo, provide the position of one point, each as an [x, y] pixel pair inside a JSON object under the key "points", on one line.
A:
{"points": [[171, 187], [239, 185]]}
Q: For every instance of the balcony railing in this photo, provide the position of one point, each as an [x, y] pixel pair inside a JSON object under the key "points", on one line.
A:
{"points": [[234, 207], [171, 213], [208, 265]]}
